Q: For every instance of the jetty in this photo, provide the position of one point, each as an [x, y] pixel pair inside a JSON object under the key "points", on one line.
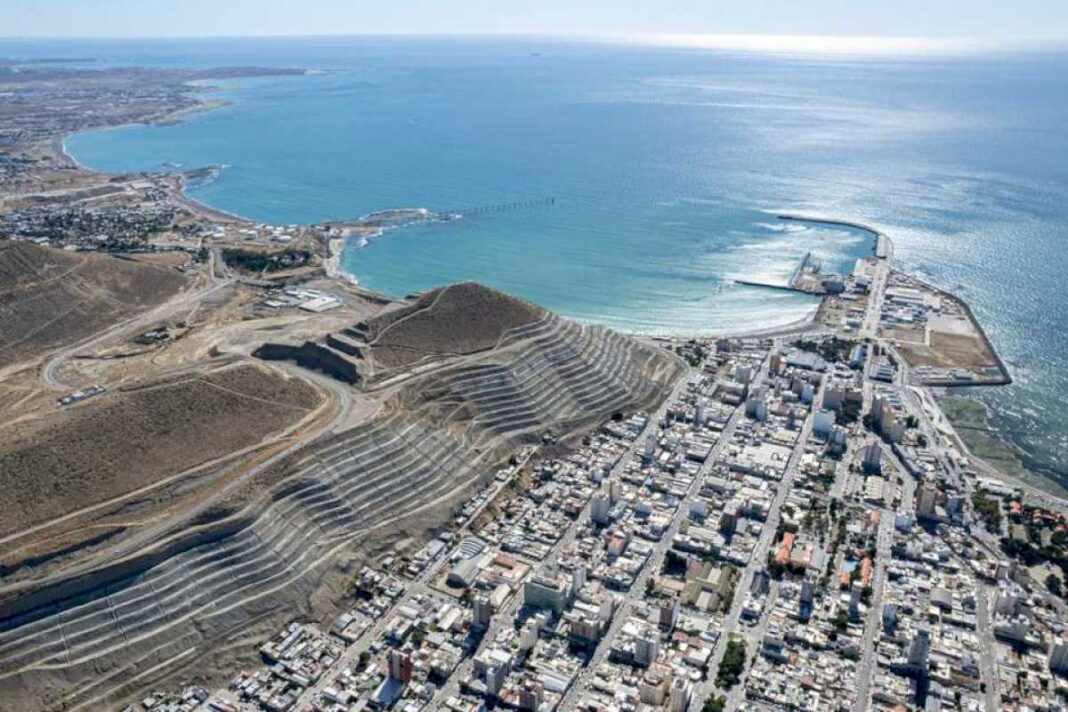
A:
{"points": [[502, 207]]}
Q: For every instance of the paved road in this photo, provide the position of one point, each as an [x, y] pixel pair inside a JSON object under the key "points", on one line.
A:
{"points": [[758, 559], [754, 637], [506, 616], [652, 566]]}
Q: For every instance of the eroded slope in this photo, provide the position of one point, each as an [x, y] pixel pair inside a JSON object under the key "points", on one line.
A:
{"points": [[50, 298], [277, 548], [120, 442]]}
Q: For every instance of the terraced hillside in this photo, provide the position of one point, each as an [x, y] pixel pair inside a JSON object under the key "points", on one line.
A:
{"points": [[278, 548], [50, 298]]}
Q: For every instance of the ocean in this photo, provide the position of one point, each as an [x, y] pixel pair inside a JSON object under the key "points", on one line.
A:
{"points": [[632, 185]]}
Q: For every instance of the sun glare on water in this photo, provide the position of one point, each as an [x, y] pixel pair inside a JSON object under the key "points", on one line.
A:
{"points": [[814, 44]]}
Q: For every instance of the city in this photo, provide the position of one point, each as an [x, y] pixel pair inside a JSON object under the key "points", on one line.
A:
{"points": [[789, 530]]}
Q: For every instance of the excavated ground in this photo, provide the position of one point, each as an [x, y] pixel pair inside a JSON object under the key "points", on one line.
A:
{"points": [[492, 374]]}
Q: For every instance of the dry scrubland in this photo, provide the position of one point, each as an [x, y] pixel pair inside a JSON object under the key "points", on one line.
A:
{"points": [[454, 320], [50, 298], [127, 440]]}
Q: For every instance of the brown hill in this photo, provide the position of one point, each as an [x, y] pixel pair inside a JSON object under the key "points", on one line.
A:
{"points": [[454, 320], [127, 440], [51, 298]]}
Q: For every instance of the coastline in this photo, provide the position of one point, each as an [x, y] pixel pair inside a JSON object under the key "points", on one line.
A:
{"points": [[337, 246], [990, 447]]}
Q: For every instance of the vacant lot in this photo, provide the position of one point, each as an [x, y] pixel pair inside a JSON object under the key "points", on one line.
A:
{"points": [[126, 440], [949, 351]]}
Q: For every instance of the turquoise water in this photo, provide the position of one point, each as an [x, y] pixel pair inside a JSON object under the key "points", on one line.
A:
{"points": [[665, 166]]}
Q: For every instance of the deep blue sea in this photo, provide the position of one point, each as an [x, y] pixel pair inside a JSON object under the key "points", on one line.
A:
{"points": [[666, 167]]}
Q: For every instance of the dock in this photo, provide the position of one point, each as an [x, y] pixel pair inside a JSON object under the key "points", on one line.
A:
{"points": [[769, 285]]}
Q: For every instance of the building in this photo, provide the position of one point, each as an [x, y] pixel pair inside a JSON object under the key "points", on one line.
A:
{"points": [[646, 647], [728, 520], [926, 500], [531, 694], [920, 650], [464, 572], [681, 691], [888, 413], [483, 612], [1058, 658], [872, 461], [756, 408], [543, 591], [822, 423], [400, 666], [600, 506], [668, 614]]}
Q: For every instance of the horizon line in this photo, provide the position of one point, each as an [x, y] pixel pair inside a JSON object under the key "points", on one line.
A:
{"points": [[803, 43]]}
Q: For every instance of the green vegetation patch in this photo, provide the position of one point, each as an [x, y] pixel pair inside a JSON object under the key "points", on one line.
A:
{"points": [[732, 665]]}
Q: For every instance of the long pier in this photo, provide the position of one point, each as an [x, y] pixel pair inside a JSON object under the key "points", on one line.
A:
{"points": [[501, 207], [769, 285]]}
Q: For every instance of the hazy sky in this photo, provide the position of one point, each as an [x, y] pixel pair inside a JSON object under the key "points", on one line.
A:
{"points": [[984, 19]]}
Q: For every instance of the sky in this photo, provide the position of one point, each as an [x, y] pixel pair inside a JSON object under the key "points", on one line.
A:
{"points": [[1018, 21]]}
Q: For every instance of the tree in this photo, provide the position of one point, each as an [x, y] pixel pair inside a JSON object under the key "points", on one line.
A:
{"points": [[715, 704], [732, 665], [1055, 586]]}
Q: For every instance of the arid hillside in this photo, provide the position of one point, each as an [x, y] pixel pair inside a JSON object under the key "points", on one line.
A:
{"points": [[50, 298], [458, 319], [126, 440]]}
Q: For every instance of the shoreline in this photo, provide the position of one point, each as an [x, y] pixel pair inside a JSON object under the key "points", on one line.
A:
{"points": [[337, 246]]}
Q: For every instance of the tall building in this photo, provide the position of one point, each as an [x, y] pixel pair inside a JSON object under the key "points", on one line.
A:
{"points": [[926, 499], [649, 449], [400, 666], [668, 614], [920, 649], [528, 636], [728, 518], [1058, 658], [873, 459], [578, 579], [483, 611], [680, 694], [543, 591], [531, 694], [823, 423], [600, 505], [646, 647]]}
